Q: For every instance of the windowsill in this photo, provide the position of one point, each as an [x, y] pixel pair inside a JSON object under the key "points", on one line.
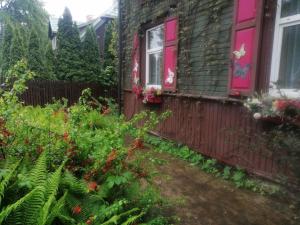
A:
{"points": [[285, 93], [157, 87]]}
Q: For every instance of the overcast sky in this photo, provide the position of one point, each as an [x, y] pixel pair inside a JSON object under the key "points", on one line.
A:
{"points": [[80, 9]]}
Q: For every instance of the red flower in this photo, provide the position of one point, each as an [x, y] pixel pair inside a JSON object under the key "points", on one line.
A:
{"points": [[92, 186], [39, 149], [66, 136], [76, 210], [89, 221]]}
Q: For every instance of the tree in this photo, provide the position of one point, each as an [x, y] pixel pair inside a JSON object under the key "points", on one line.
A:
{"points": [[69, 59], [91, 56], [109, 71], [20, 17], [34, 55], [17, 49], [50, 62], [29, 13], [6, 46]]}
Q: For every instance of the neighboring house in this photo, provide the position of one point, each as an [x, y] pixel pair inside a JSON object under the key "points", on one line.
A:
{"points": [[206, 56], [52, 31], [100, 26]]}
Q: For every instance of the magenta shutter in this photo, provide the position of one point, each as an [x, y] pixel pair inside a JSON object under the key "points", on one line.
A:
{"points": [[135, 73], [170, 55], [245, 46]]}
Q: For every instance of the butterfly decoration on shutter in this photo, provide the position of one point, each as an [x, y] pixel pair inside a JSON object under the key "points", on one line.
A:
{"points": [[135, 73], [170, 54], [246, 33]]}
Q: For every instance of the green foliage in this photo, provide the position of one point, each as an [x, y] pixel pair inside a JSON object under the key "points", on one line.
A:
{"points": [[18, 27], [109, 68], [6, 45], [76, 167], [50, 62], [91, 57], [34, 55], [69, 60], [17, 49]]}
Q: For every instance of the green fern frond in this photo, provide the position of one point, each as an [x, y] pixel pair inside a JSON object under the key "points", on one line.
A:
{"points": [[55, 211], [53, 182], [115, 219], [33, 206], [51, 192], [38, 175], [5, 181], [66, 220], [11, 208], [133, 219], [74, 185]]}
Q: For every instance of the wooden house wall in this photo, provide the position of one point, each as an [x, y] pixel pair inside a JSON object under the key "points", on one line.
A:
{"points": [[203, 117], [204, 40]]}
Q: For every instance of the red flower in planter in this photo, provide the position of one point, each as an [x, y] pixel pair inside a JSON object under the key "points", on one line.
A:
{"points": [[92, 186], [76, 210]]}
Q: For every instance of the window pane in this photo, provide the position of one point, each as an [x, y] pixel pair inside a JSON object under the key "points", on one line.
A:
{"points": [[155, 63], [290, 8], [289, 73], [155, 38]]}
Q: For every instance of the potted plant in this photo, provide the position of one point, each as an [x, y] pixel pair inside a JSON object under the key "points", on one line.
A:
{"points": [[152, 96], [276, 110]]}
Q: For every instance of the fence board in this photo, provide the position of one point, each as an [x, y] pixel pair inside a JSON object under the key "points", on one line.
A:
{"points": [[41, 92]]}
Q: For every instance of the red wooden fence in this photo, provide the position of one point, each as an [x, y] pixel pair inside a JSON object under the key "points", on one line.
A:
{"points": [[41, 92]]}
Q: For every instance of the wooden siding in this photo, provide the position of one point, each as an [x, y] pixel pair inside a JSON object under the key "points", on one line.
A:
{"points": [[219, 129], [204, 40]]}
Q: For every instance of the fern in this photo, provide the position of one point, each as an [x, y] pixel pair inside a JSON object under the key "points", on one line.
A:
{"points": [[133, 219], [33, 206], [38, 175], [11, 208], [55, 211], [7, 179], [115, 219], [74, 185]]}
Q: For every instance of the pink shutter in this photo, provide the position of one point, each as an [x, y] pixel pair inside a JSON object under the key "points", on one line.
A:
{"points": [[170, 54], [135, 72], [245, 46]]}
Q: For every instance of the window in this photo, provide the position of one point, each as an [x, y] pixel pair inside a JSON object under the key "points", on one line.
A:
{"points": [[285, 72], [154, 56]]}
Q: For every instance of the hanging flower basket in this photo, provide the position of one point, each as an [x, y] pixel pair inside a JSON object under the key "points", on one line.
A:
{"points": [[152, 96]]}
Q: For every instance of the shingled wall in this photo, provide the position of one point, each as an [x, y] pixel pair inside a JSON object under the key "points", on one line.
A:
{"points": [[204, 40]]}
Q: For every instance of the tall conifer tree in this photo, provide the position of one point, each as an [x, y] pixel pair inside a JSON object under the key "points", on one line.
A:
{"points": [[50, 62], [69, 62], [17, 49], [91, 56], [6, 46], [34, 55]]}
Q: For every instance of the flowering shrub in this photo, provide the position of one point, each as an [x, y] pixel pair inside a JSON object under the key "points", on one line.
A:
{"points": [[270, 107], [75, 166], [152, 95]]}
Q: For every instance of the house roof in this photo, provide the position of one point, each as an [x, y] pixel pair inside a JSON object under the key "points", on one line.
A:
{"points": [[53, 23], [96, 23]]}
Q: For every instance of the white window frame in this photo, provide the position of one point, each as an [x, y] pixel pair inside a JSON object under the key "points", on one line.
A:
{"points": [[280, 24], [149, 52]]}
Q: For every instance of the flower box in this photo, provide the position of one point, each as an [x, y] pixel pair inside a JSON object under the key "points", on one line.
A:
{"points": [[281, 120], [152, 96]]}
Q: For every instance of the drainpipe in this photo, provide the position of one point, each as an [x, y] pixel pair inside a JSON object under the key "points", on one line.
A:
{"points": [[120, 58]]}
